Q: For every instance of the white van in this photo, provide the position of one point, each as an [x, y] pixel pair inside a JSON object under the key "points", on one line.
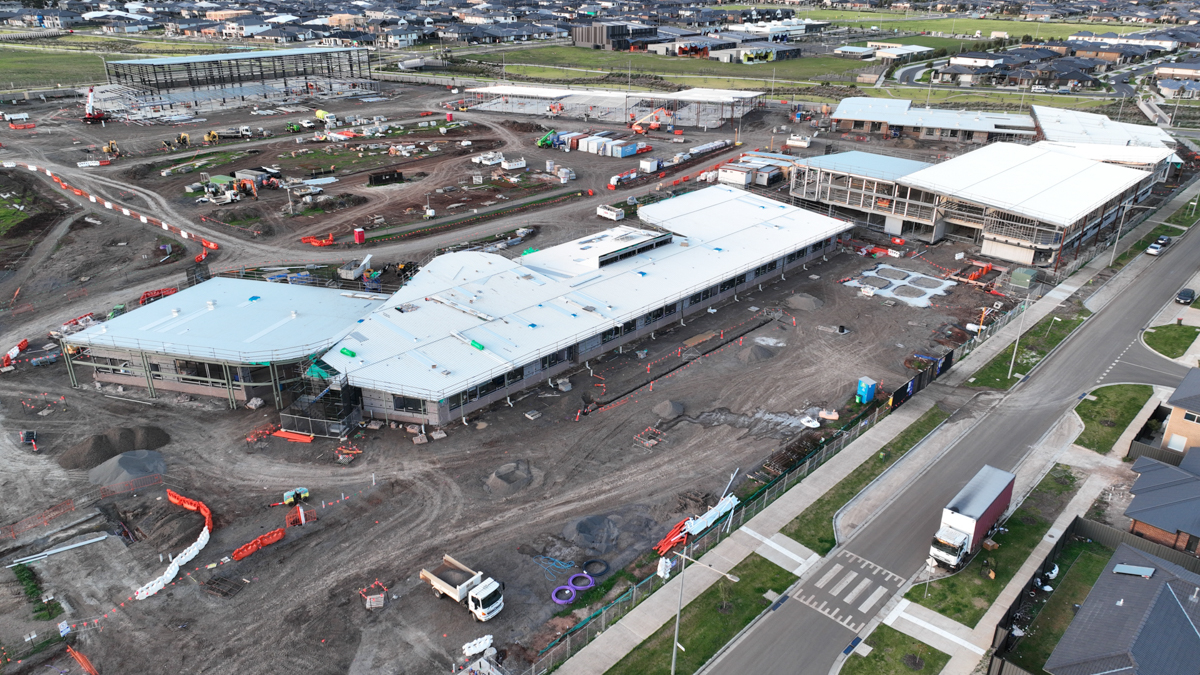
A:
{"points": [[1038, 89]]}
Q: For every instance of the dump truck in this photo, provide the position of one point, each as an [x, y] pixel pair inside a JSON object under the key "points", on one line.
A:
{"points": [[484, 598], [971, 517]]}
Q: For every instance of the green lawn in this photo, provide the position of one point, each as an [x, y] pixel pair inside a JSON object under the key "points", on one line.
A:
{"points": [[1035, 344], [1105, 418], [966, 596], [1079, 566], [814, 527], [1184, 217], [1172, 340], [10, 215], [132, 45], [949, 44], [1139, 247], [888, 649], [553, 73], [709, 621], [30, 68]]}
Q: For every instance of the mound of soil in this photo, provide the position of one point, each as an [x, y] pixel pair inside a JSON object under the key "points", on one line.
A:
{"points": [[755, 354], [128, 466], [138, 171], [510, 478], [597, 534], [167, 528], [524, 127], [99, 448], [804, 301]]}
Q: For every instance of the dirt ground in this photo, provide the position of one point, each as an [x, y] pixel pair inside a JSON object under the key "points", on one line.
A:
{"points": [[496, 492]]}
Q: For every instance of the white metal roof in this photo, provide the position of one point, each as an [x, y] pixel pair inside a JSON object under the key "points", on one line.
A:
{"points": [[899, 112], [247, 321], [1036, 182], [1113, 154], [1074, 126], [468, 317], [690, 95]]}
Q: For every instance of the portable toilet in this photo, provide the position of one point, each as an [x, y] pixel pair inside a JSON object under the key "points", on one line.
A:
{"points": [[360, 235], [866, 390]]}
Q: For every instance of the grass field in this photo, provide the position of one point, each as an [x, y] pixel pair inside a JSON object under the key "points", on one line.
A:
{"points": [[553, 72], [1139, 247], [1171, 340], [1036, 343], [814, 527], [709, 621], [1080, 565], [131, 46], [888, 649], [966, 596], [29, 68], [949, 44], [1105, 419], [10, 215], [1185, 217]]}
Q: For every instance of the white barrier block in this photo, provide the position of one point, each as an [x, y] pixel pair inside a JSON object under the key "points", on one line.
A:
{"points": [[143, 219], [124, 210], [92, 198]]}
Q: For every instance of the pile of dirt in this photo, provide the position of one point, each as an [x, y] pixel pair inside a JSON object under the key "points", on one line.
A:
{"points": [[804, 302], [669, 410], [755, 354], [166, 527], [523, 127], [138, 171], [99, 448], [128, 466], [510, 478], [596, 534], [694, 502]]}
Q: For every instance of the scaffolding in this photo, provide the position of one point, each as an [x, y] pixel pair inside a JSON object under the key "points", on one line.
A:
{"points": [[147, 88], [325, 404]]}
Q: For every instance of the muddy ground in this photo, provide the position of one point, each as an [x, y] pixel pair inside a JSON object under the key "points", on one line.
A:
{"points": [[496, 492]]}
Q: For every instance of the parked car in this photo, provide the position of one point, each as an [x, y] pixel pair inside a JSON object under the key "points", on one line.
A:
{"points": [[1163, 240], [1039, 89], [1154, 249], [1186, 296]]}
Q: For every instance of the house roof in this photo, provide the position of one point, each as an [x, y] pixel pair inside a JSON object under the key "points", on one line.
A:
{"points": [[1165, 496], [865, 164], [900, 112], [1131, 625], [1187, 394]]}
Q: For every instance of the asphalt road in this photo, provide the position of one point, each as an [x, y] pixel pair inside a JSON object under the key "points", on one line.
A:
{"points": [[807, 632]]}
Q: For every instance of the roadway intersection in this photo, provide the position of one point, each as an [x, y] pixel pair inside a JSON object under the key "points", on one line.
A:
{"points": [[805, 634]]}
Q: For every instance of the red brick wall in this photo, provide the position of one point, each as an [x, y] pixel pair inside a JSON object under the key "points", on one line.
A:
{"points": [[1176, 540]]}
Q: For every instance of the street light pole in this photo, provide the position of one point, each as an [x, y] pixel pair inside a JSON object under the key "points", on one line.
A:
{"points": [[1016, 345], [679, 608], [1113, 258]]}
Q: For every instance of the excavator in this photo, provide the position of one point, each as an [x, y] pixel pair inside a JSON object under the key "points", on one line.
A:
{"points": [[110, 148], [183, 141], [247, 186], [211, 137], [637, 126]]}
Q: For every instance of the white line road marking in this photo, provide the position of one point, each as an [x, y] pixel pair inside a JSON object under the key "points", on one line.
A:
{"points": [[841, 585], [856, 591], [938, 631], [828, 576], [773, 545], [872, 598], [896, 612]]}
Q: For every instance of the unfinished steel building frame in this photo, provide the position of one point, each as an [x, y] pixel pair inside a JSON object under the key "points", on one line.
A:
{"points": [[283, 72]]}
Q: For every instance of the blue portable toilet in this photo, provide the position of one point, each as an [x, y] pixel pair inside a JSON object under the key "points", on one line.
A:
{"points": [[866, 390]]}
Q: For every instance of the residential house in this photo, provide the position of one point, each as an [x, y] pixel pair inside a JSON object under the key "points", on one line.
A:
{"points": [[400, 38], [1178, 88], [245, 26], [1177, 71], [1138, 619], [1182, 430], [348, 39], [1166, 502]]}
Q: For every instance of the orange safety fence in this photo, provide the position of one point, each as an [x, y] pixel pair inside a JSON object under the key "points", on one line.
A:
{"points": [[300, 516], [293, 436], [82, 661], [191, 505], [43, 518], [272, 537]]}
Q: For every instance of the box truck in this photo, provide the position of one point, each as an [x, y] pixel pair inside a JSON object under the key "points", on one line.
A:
{"points": [[971, 517]]}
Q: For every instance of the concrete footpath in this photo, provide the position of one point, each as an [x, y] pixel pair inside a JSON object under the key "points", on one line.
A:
{"points": [[762, 533]]}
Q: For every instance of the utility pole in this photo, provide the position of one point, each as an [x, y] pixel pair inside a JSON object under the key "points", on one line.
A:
{"points": [[1017, 343]]}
